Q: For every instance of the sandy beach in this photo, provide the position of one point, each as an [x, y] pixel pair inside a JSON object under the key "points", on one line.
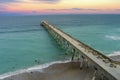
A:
{"points": [[58, 71]]}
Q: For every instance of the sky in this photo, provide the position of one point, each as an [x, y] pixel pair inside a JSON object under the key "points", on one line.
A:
{"points": [[36, 7]]}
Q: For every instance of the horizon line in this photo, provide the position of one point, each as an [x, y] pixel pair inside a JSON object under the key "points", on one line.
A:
{"points": [[60, 14]]}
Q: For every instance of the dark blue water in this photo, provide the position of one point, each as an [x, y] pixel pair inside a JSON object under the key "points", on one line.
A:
{"points": [[23, 40]]}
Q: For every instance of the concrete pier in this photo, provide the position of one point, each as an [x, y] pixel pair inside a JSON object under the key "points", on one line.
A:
{"points": [[105, 68]]}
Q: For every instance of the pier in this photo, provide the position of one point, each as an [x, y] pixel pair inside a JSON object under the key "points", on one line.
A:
{"points": [[105, 68]]}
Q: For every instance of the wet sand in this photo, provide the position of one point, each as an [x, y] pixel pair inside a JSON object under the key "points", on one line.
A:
{"points": [[59, 71]]}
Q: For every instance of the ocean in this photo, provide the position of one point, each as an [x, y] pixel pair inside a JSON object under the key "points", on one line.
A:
{"points": [[25, 44]]}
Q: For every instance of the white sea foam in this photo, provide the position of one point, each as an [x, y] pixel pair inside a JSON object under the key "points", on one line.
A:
{"points": [[113, 37], [35, 68], [116, 53]]}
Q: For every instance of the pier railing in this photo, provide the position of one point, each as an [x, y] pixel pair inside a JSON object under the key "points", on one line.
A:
{"points": [[109, 67]]}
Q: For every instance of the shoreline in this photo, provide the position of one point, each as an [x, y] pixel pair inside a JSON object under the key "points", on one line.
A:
{"points": [[57, 71], [39, 69], [34, 68]]}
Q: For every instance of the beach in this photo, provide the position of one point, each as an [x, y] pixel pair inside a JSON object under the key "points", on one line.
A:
{"points": [[58, 71]]}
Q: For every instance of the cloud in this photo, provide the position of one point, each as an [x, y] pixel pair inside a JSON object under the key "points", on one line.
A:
{"points": [[2, 8], [48, 1], [65, 9], [91, 9], [76, 9], [29, 1], [117, 9], [8, 1]]}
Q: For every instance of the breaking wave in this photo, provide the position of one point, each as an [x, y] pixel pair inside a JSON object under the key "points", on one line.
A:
{"points": [[113, 37], [114, 53], [35, 68]]}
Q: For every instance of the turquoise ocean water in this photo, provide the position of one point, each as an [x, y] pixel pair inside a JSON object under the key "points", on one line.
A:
{"points": [[23, 40]]}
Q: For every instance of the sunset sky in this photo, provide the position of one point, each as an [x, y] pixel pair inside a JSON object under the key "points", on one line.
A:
{"points": [[36, 7]]}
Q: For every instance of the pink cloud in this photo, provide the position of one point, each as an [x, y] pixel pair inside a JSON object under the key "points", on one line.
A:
{"points": [[47, 1]]}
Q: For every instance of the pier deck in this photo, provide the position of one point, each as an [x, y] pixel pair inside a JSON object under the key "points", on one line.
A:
{"points": [[106, 66]]}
